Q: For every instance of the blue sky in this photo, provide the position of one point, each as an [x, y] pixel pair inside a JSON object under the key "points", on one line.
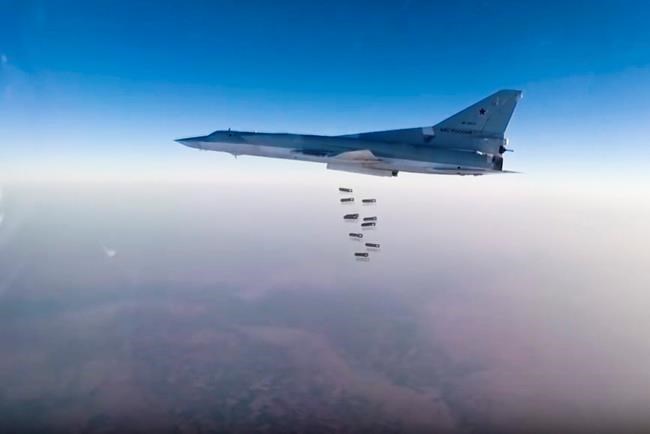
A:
{"points": [[109, 81]]}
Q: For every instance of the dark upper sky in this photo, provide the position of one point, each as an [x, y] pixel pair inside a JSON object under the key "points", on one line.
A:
{"points": [[395, 47]]}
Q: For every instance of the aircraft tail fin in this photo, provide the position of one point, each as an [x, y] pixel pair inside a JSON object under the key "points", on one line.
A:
{"points": [[488, 117]]}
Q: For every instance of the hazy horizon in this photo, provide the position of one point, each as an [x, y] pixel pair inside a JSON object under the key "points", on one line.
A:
{"points": [[504, 298]]}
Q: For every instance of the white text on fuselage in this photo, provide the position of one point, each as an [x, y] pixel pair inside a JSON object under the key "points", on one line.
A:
{"points": [[455, 131]]}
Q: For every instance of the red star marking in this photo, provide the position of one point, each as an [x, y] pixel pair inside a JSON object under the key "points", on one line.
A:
{"points": [[482, 111]]}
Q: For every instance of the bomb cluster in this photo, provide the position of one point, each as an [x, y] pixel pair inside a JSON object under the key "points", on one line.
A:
{"points": [[367, 223]]}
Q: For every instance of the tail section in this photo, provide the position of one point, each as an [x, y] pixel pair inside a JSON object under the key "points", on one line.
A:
{"points": [[487, 118]]}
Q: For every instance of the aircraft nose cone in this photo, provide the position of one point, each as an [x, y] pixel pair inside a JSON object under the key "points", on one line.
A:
{"points": [[190, 142]]}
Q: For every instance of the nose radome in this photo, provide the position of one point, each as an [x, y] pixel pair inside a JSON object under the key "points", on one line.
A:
{"points": [[190, 142]]}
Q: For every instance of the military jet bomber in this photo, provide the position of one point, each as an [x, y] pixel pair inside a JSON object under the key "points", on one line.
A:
{"points": [[471, 142]]}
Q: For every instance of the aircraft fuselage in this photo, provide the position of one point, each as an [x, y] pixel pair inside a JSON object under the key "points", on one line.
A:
{"points": [[471, 142], [327, 149]]}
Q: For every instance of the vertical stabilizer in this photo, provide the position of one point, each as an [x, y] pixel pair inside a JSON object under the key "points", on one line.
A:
{"points": [[488, 117]]}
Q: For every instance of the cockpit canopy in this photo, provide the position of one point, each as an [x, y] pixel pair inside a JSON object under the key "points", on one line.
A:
{"points": [[227, 132]]}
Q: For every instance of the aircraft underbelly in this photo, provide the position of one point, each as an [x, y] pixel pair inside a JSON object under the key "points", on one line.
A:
{"points": [[435, 168], [282, 151]]}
